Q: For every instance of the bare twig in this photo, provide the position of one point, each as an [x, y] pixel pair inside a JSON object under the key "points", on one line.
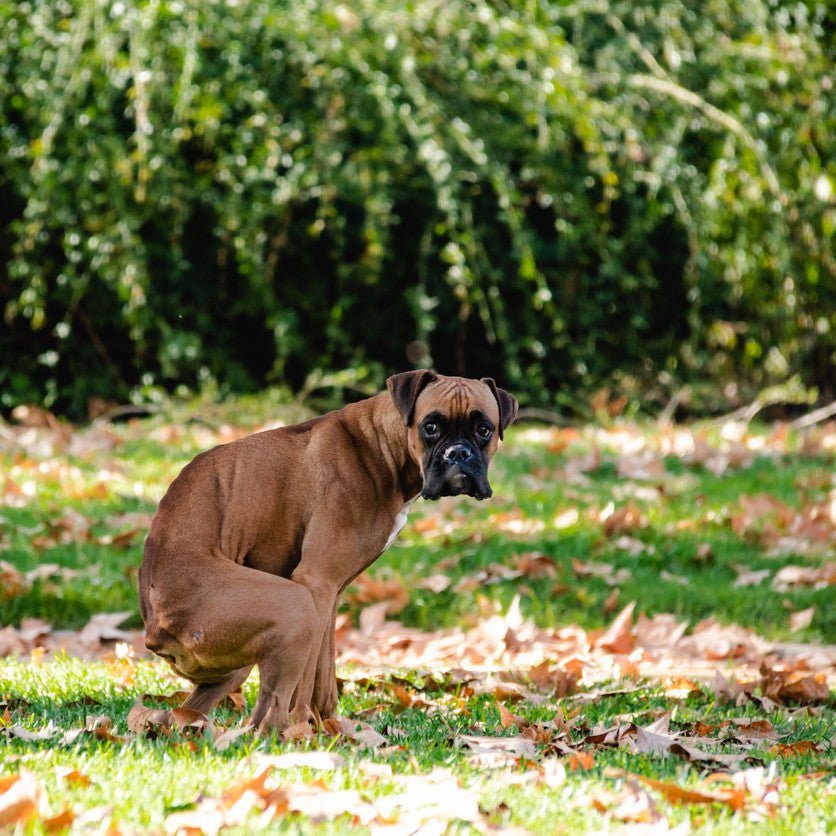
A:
{"points": [[677, 398], [815, 417], [530, 413]]}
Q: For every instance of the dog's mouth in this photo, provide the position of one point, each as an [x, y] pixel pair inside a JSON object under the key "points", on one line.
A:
{"points": [[455, 481]]}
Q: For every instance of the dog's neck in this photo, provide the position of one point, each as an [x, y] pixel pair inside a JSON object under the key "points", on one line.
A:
{"points": [[389, 432]]}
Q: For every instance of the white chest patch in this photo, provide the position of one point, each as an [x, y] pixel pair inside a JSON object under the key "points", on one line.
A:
{"points": [[400, 522]]}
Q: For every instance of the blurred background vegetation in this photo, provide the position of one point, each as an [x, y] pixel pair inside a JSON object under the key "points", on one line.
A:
{"points": [[564, 195]]}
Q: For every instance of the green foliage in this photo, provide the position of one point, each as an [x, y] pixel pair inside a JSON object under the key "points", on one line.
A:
{"points": [[554, 193]]}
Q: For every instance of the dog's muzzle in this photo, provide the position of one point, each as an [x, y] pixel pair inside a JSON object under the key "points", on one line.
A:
{"points": [[457, 469]]}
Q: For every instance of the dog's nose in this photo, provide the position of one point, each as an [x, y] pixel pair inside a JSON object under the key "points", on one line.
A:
{"points": [[457, 453]]}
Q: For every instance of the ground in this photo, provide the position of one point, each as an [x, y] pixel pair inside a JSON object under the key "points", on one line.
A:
{"points": [[635, 632]]}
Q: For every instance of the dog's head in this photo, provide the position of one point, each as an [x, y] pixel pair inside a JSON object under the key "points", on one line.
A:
{"points": [[454, 425]]}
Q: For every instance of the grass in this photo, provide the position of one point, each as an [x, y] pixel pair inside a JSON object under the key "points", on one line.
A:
{"points": [[691, 529]]}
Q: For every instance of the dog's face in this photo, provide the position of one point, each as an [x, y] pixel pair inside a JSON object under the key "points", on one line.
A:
{"points": [[454, 425]]}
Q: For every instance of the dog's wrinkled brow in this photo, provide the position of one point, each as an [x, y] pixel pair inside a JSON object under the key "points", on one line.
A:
{"points": [[478, 415]]}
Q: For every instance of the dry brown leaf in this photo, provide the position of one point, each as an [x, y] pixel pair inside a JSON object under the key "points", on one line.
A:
{"points": [[141, 718], [793, 750], [618, 637], [320, 804], [368, 590], [680, 687], [520, 747], [356, 730], [793, 686], [733, 798], [560, 682], [793, 576], [535, 565], [508, 720], [761, 515], [580, 761], [623, 520], [12, 582], [21, 799], [692, 753], [60, 822], [606, 571], [189, 718], [72, 776], [299, 731], [749, 577], [435, 583], [46, 733], [610, 605], [104, 627], [802, 619], [645, 466]]}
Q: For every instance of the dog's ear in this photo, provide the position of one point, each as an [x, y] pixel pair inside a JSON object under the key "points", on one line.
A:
{"points": [[508, 406], [405, 388]]}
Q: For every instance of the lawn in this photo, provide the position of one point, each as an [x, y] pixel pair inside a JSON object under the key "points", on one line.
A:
{"points": [[636, 631]]}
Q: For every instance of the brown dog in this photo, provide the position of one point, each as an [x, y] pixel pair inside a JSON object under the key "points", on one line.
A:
{"points": [[255, 540]]}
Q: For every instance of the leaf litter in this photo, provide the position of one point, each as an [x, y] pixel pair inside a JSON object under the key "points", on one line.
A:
{"points": [[503, 656]]}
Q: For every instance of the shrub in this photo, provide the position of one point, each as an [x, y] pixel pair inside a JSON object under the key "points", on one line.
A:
{"points": [[558, 194]]}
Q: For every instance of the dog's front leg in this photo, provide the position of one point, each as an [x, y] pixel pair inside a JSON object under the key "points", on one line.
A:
{"points": [[317, 690], [325, 680]]}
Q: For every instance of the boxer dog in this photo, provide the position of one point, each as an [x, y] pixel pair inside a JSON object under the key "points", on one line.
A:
{"points": [[255, 540]]}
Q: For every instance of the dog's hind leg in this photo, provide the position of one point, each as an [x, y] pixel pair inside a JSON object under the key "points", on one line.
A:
{"points": [[207, 695], [213, 628]]}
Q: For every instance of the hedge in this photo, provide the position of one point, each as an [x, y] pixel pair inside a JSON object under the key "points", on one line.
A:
{"points": [[565, 195]]}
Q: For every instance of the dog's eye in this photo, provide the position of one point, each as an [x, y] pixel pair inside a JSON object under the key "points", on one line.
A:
{"points": [[483, 431], [431, 428]]}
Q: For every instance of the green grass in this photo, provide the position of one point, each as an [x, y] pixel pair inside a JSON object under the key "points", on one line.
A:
{"points": [[144, 780], [688, 533]]}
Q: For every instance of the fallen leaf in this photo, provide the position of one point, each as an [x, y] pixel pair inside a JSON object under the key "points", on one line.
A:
{"points": [[749, 577], [520, 747], [623, 520], [299, 731], [535, 565], [355, 730], [435, 583], [559, 681], [793, 576], [618, 637], [21, 799], [606, 571], [580, 761], [793, 750], [611, 603], [60, 822], [508, 720], [793, 686], [367, 590], [72, 776], [802, 619], [733, 798], [225, 739], [12, 581], [141, 718], [104, 627], [189, 718]]}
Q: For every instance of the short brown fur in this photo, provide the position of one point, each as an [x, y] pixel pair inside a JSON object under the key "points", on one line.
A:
{"points": [[255, 540]]}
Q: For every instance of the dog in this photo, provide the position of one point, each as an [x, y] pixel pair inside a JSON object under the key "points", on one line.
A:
{"points": [[255, 540]]}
